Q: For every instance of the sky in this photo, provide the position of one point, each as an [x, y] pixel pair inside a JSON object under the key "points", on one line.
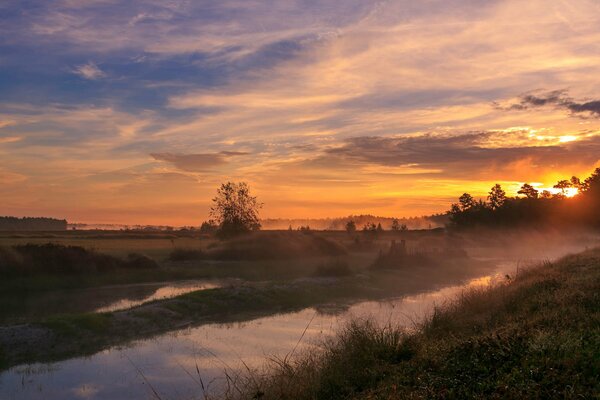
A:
{"points": [[136, 111]]}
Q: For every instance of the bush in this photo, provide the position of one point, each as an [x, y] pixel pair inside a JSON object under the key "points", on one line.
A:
{"points": [[55, 259]]}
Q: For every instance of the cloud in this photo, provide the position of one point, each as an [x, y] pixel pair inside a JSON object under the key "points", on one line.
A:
{"points": [[196, 162], [470, 155], [89, 71], [557, 98]]}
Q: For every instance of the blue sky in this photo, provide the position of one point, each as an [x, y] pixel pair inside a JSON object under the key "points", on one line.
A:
{"points": [[135, 111]]}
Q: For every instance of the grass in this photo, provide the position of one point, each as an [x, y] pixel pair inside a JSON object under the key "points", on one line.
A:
{"points": [[73, 324], [56, 259], [537, 336]]}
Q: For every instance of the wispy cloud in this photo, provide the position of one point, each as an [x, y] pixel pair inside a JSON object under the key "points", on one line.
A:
{"points": [[196, 162], [559, 99], [89, 71]]}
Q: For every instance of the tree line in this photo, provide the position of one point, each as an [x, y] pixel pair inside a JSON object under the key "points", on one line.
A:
{"points": [[531, 207], [32, 224]]}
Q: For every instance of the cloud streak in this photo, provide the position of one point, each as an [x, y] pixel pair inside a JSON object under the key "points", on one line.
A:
{"points": [[197, 162], [559, 99]]}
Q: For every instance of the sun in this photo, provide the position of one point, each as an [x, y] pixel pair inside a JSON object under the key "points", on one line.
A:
{"points": [[568, 192]]}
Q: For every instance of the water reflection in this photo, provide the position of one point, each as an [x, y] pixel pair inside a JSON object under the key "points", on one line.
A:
{"points": [[165, 292], [107, 298], [168, 364]]}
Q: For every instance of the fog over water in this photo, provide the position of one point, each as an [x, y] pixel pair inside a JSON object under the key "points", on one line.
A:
{"points": [[168, 362]]}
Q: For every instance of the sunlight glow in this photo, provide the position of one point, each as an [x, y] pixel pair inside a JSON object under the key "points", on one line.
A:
{"points": [[567, 138]]}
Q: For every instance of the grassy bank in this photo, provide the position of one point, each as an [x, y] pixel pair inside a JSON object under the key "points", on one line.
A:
{"points": [[63, 336], [535, 336]]}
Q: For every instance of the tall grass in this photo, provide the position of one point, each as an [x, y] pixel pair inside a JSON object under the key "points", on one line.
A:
{"points": [[56, 259], [537, 335]]}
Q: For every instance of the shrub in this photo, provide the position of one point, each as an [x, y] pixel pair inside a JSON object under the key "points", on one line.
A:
{"points": [[56, 259]]}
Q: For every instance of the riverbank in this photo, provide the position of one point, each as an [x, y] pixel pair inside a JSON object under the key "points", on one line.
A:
{"points": [[537, 335], [64, 336]]}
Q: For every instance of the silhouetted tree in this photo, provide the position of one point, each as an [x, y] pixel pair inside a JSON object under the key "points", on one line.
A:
{"points": [[395, 225], [369, 227], [209, 226], [529, 191], [350, 227], [576, 183], [496, 197], [235, 210], [563, 186], [379, 227], [537, 209], [466, 201], [592, 183]]}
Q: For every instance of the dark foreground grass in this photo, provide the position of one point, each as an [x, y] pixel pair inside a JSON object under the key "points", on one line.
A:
{"points": [[536, 336]]}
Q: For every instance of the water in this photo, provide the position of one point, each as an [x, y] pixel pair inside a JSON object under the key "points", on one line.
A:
{"points": [[167, 364], [107, 298], [162, 292]]}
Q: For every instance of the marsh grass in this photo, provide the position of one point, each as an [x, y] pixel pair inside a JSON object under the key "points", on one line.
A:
{"points": [[56, 259], [536, 335]]}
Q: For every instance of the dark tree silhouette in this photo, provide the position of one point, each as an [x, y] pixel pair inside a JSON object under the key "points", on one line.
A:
{"points": [[32, 224], [209, 226], [351, 227], [235, 210], [529, 191], [497, 197], [536, 209], [563, 186], [466, 202]]}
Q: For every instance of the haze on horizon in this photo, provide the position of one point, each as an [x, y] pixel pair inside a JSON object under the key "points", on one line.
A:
{"points": [[135, 111]]}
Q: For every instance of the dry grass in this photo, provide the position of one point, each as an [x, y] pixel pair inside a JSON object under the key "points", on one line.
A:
{"points": [[535, 336]]}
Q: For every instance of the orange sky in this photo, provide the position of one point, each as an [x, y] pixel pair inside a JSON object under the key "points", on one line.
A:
{"points": [[131, 112]]}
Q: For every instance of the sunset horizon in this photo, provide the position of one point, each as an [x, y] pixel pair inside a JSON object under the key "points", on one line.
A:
{"points": [[135, 113]]}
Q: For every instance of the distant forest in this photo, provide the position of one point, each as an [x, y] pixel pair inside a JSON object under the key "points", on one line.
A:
{"points": [[531, 208], [32, 224], [339, 224]]}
